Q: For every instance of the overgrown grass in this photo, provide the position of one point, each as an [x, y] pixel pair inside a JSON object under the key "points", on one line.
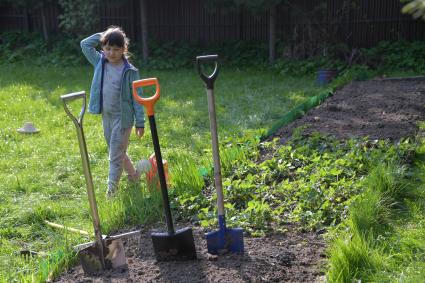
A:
{"points": [[382, 239], [41, 174]]}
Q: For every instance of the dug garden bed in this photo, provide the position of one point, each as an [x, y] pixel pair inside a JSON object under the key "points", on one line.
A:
{"points": [[379, 109], [291, 257]]}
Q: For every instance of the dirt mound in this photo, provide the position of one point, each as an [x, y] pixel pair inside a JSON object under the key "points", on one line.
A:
{"points": [[379, 109]]}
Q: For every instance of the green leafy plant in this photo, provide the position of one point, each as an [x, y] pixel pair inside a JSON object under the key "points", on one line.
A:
{"points": [[79, 17], [311, 181]]}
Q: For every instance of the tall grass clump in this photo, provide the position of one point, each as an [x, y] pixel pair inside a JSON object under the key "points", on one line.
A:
{"points": [[373, 211], [353, 256], [369, 214], [349, 257], [134, 204], [381, 240], [186, 177]]}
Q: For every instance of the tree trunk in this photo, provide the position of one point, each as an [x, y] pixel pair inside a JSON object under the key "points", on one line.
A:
{"points": [[25, 19], [240, 24], [44, 24], [144, 23], [272, 34]]}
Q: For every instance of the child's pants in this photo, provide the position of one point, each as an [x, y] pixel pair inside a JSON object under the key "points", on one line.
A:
{"points": [[117, 140]]}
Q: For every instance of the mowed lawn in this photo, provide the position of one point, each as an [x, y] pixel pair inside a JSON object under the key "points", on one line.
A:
{"points": [[41, 175]]}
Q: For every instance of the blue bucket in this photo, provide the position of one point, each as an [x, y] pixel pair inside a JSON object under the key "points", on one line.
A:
{"points": [[325, 76]]}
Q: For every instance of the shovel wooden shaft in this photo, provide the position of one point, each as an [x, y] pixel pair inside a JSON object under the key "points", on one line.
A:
{"points": [[215, 151], [224, 239], [90, 192], [209, 83], [86, 169]]}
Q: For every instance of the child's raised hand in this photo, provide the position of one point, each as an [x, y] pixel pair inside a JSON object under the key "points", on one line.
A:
{"points": [[140, 132]]}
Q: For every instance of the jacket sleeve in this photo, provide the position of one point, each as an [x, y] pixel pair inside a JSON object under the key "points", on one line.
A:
{"points": [[88, 46], [139, 113]]}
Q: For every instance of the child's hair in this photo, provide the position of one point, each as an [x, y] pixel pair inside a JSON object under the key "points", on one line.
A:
{"points": [[115, 36]]}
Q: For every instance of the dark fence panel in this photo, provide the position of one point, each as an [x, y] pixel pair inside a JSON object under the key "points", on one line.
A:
{"points": [[51, 13], [361, 24], [29, 20], [13, 19], [118, 13], [188, 20]]}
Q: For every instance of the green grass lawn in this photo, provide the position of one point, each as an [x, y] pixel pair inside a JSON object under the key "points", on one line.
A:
{"points": [[382, 239], [41, 175]]}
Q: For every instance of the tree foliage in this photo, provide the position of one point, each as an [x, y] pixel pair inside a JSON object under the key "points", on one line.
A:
{"points": [[79, 17], [414, 7]]}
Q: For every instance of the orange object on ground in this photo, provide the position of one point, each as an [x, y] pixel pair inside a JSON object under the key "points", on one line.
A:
{"points": [[152, 178]]}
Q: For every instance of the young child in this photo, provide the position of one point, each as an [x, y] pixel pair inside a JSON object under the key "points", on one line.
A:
{"points": [[111, 96]]}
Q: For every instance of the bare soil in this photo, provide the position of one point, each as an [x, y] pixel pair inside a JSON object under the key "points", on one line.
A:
{"points": [[379, 109], [289, 257]]}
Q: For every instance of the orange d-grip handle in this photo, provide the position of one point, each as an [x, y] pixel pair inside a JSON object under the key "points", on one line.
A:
{"points": [[148, 102]]}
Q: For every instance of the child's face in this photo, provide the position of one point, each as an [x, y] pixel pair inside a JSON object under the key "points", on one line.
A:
{"points": [[113, 53]]}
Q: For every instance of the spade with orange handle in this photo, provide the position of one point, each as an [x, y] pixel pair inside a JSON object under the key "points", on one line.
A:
{"points": [[171, 245]]}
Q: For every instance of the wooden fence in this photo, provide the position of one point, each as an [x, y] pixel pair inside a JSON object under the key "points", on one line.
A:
{"points": [[361, 24]]}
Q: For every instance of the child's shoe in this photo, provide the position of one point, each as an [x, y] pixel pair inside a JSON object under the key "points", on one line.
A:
{"points": [[135, 178], [110, 192]]}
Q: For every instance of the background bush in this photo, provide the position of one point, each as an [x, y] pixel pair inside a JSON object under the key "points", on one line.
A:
{"points": [[65, 50]]}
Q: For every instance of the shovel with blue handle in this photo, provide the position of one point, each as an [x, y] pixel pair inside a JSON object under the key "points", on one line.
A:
{"points": [[225, 239]]}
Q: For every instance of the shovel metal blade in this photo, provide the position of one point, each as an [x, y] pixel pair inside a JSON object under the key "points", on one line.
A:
{"points": [[91, 260], [225, 240], [177, 246]]}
